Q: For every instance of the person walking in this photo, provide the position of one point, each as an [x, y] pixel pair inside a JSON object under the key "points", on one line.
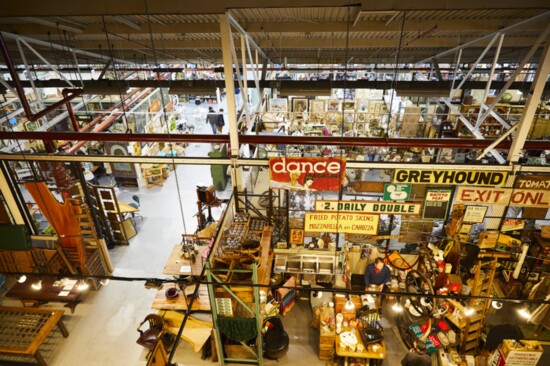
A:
{"points": [[417, 356], [220, 121], [212, 118]]}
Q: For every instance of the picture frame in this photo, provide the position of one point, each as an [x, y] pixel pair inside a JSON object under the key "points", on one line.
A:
{"points": [[317, 106], [348, 105], [333, 105], [349, 116], [299, 105], [278, 105], [360, 117], [32, 125]]}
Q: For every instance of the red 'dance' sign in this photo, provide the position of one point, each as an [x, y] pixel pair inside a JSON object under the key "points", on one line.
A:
{"points": [[319, 174]]}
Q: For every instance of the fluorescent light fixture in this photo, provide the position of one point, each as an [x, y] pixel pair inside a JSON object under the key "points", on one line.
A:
{"points": [[22, 279], [37, 285], [469, 311]]}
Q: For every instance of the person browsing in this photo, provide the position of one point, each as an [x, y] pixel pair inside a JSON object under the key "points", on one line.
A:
{"points": [[377, 274], [417, 356]]}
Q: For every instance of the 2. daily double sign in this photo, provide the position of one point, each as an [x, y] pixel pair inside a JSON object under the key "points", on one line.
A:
{"points": [[398, 208]]}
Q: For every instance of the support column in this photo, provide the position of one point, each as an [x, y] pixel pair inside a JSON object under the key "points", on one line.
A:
{"points": [[225, 32], [10, 200], [531, 105]]}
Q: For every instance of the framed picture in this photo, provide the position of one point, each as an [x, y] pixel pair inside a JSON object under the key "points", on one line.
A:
{"points": [[348, 105], [360, 126], [278, 105], [333, 105], [349, 116], [317, 106], [299, 105], [475, 214], [296, 236], [31, 125], [360, 117]]}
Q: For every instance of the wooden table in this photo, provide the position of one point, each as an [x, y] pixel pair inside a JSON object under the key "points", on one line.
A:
{"points": [[126, 208], [48, 293], [162, 303], [23, 330], [176, 263], [380, 354]]}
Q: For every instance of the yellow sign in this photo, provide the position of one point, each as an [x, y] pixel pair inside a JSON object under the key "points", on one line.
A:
{"points": [[352, 223], [470, 177], [398, 208], [503, 196]]}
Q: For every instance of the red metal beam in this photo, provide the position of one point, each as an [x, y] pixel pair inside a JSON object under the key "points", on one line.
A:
{"points": [[69, 94], [269, 139]]}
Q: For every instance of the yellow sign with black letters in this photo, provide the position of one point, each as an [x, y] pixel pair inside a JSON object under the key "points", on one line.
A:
{"points": [[450, 177]]}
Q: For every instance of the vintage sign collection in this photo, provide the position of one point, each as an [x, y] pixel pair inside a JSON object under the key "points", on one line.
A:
{"points": [[361, 217]]}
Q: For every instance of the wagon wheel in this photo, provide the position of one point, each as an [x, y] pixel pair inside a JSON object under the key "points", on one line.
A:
{"points": [[264, 200], [420, 306]]}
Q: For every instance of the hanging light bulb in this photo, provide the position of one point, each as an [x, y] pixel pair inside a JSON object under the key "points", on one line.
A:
{"points": [[524, 313], [104, 282], [22, 279], [468, 311], [397, 307], [37, 285], [349, 305], [496, 304], [82, 285]]}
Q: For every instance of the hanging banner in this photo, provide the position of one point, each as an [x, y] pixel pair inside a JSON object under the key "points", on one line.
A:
{"points": [[397, 192], [351, 223], [436, 204], [503, 196], [449, 177], [538, 182], [396, 208], [317, 174]]}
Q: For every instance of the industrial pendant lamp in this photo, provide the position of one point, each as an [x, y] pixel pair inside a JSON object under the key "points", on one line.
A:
{"points": [[37, 285]]}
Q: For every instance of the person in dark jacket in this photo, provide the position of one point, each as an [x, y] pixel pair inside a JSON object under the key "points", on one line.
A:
{"points": [[417, 356], [377, 274], [212, 118]]}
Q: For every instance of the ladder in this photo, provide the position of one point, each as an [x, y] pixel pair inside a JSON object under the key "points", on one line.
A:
{"points": [[227, 296], [482, 285]]}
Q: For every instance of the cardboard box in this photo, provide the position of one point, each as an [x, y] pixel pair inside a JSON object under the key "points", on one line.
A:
{"points": [[522, 353]]}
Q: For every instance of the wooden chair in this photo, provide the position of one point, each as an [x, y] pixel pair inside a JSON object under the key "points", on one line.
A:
{"points": [[149, 338]]}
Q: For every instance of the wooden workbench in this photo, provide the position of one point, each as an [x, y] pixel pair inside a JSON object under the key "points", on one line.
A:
{"points": [[176, 264], [178, 303]]}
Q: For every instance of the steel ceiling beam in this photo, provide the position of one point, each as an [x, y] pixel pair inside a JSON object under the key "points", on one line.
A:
{"points": [[133, 7], [287, 84], [268, 139], [258, 28], [300, 43], [532, 20], [50, 45]]}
